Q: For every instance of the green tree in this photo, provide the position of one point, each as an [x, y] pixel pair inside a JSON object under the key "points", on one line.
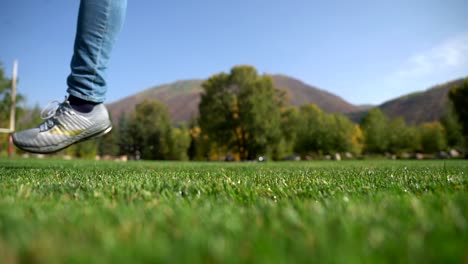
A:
{"points": [[322, 133], [375, 129], [241, 111], [289, 123], [124, 139], [310, 130], [345, 136], [108, 144], [459, 98], [432, 136], [180, 143], [31, 117], [150, 130], [87, 149], [5, 101], [5, 107], [452, 127], [401, 138]]}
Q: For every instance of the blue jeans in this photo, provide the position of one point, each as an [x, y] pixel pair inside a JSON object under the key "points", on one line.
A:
{"points": [[99, 22]]}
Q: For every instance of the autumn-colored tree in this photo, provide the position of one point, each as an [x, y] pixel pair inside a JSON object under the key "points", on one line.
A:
{"points": [[241, 112]]}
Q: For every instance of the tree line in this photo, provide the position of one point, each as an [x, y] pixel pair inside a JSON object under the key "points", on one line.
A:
{"points": [[243, 116]]}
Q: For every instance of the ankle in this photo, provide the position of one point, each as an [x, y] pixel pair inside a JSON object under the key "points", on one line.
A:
{"points": [[81, 105]]}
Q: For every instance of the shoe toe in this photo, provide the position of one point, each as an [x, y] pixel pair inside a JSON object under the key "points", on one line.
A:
{"points": [[25, 137]]}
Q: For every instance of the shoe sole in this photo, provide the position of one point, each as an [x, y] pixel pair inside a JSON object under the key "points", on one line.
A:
{"points": [[56, 148]]}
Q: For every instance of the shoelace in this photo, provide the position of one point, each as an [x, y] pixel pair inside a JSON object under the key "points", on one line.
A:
{"points": [[52, 109]]}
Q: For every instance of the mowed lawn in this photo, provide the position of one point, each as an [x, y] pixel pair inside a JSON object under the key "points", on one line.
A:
{"points": [[341, 212]]}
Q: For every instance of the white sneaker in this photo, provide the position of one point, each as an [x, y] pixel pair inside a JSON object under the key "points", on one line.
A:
{"points": [[63, 127]]}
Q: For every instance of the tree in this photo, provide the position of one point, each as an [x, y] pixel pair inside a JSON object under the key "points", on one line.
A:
{"points": [[375, 129], [124, 138], [241, 111], [357, 140], [5, 102], [432, 137], [5, 107], [31, 117], [199, 148], [309, 130], [453, 129], [321, 133], [180, 142], [459, 98], [401, 137], [87, 149], [345, 135], [289, 122], [150, 130], [108, 144]]}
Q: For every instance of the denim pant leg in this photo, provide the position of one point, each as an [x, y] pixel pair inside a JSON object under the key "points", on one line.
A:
{"points": [[99, 22]]}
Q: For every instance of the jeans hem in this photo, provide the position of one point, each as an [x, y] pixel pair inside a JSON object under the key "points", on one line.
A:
{"points": [[85, 97]]}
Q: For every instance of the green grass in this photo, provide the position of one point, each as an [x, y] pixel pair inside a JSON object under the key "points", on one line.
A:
{"points": [[330, 212]]}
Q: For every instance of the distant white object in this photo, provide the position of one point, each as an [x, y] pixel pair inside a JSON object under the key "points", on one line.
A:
{"points": [[337, 156], [454, 153]]}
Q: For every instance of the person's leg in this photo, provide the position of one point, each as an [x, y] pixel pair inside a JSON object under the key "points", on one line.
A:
{"points": [[82, 115], [99, 22]]}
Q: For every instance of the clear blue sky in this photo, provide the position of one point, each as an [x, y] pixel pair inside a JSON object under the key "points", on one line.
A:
{"points": [[364, 51]]}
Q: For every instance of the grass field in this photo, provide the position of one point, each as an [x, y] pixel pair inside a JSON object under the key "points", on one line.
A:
{"points": [[345, 212]]}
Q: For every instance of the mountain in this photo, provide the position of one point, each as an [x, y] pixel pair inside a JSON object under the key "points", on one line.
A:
{"points": [[423, 106], [182, 98], [300, 93], [419, 107]]}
